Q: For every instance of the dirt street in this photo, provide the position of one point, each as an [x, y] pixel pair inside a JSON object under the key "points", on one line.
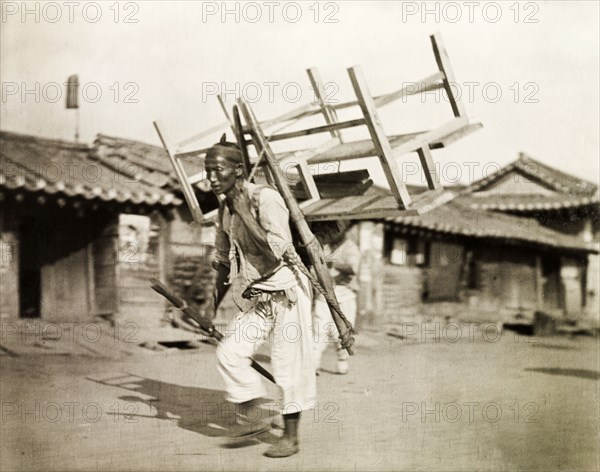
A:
{"points": [[494, 402]]}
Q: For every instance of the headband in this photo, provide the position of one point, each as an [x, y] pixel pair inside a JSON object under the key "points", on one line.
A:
{"points": [[226, 150]]}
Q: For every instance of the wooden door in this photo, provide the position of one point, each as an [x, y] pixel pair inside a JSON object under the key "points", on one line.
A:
{"points": [[64, 272], [444, 269]]}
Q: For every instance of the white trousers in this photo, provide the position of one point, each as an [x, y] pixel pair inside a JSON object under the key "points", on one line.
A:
{"points": [[324, 330], [289, 329]]}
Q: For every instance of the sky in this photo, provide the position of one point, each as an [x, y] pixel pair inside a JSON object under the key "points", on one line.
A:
{"points": [[528, 71]]}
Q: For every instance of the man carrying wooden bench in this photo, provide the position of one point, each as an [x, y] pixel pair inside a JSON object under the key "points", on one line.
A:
{"points": [[252, 236]]}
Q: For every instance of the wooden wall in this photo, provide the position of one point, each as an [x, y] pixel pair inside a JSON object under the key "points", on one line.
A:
{"points": [[506, 277], [191, 251], [369, 238], [139, 258], [45, 268], [9, 265], [444, 271], [402, 290], [64, 273], [592, 298], [91, 263], [572, 276], [501, 278], [104, 253]]}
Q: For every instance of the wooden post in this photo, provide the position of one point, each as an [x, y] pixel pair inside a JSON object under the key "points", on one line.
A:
{"points": [[308, 181], [238, 131], [188, 190], [539, 283], [380, 141], [443, 62], [308, 239], [90, 270], [226, 113], [378, 272], [433, 181], [365, 275], [328, 113]]}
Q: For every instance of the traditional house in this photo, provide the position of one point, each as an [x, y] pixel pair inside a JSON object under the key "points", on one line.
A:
{"points": [[536, 256], [84, 227], [562, 202], [81, 230], [188, 245]]}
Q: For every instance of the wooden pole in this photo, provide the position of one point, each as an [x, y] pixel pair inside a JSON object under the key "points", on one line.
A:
{"points": [[239, 135], [188, 190], [307, 238]]}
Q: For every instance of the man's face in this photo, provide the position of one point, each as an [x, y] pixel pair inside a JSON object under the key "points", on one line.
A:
{"points": [[221, 173]]}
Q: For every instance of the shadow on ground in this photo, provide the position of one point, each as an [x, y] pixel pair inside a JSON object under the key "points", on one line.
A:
{"points": [[581, 373], [201, 410]]}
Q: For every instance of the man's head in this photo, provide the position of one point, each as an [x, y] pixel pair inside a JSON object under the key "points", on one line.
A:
{"points": [[223, 166], [330, 232]]}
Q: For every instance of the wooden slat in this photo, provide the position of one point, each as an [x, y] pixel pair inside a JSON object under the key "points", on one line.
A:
{"points": [[200, 135], [194, 179], [385, 202], [348, 176], [330, 118], [188, 191], [336, 190], [190, 154], [372, 203], [312, 207], [355, 208], [374, 207], [424, 139], [307, 203], [364, 148], [449, 138], [318, 129], [296, 114], [380, 141], [306, 176], [428, 83], [226, 113], [350, 205], [307, 154], [425, 85], [338, 184], [431, 82], [432, 199], [340, 205], [377, 214], [433, 181], [443, 62], [308, 181], [241, 140]]}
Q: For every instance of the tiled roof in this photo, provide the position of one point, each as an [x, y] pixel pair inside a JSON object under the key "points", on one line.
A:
{"points": [[555, 179], [150, 162], [58, 167], [457, 218], [524, 202]]}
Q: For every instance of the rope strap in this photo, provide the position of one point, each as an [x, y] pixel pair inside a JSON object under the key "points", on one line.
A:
{"points": [[293, 258]]}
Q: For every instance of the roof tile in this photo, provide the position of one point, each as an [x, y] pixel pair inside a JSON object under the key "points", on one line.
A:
{"points": [[40, 164]]}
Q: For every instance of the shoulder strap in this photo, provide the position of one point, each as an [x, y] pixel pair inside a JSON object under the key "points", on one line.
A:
{"points": [[255, 196], [220, 213]]}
